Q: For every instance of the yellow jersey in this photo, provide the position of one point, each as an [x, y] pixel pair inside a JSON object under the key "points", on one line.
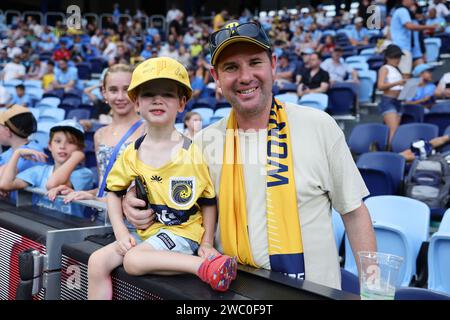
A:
{"points": [[175, 191]]}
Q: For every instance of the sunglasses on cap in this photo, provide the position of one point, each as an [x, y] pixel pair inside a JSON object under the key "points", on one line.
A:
{"points": [[251, 30]]}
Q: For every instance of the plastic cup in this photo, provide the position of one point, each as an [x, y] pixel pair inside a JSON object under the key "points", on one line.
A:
{"points": [[379, 275]]}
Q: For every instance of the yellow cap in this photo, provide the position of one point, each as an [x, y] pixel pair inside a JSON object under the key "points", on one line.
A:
{"points": [[159, 68]]}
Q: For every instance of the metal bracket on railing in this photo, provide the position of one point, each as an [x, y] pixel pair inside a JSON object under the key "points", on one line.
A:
{"points": [[31, 266]]}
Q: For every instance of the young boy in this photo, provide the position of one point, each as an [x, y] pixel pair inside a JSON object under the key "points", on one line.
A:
{"points": [[21, 98], [179, 190], [66, 145], [16, 125], [425, 90]]}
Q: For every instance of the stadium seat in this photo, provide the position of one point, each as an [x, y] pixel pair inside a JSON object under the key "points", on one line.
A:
{"points": [[375, 62], [365, 135], [291, 97], [341, 99], [367, 80], [432, 47], [377, 181], [356, 59], [35, 93], [314, 100], [412, 113], [51, 114], [78, 114], [401, 225], [71, 102], [222, 112], [443, 106], [439, 257], [391, 163], [42, 138], [32, 83], [349, 282], [49, 102], [287, 87], [84, 70], [97, 65], [358, 65], [408, 133], [35, 113], [222, 104], [410, 293], [441, 119]]}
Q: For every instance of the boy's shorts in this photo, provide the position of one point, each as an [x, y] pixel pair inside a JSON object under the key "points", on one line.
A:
{"points": [[166, 240]]}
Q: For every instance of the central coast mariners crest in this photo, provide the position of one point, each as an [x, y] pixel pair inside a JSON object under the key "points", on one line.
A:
{"points": [[182, 190]]}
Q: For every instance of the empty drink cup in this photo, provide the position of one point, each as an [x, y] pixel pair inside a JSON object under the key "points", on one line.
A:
{"points": [[379, 275]]}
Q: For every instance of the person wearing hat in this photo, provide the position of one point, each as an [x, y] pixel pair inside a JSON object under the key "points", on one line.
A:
{"points": [[402, 26], [359, 36], [425, 90], [275, 205], [17, 123], [390, 81], [175, 184], [66, 147]]}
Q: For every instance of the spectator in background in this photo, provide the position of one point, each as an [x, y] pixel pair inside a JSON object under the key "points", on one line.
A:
{"points": [[49, 75], [65, 77], [14, 69], [313, 79], [21, 98], [425, 91], [12, 50], [338, 70], [110, 50], [433, 19], [359, 35], [285, 71], [46, 45], [99, 106], [37, 68], [401, 28], [443, 87], [3, 58], [62, 53], [219, 19], [147, 52], [5, 97], [328, 46], [192, 124], [441, 9], [197, 83]]}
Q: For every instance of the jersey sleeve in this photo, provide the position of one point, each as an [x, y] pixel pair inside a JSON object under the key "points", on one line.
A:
{"points": [[122, 173]]}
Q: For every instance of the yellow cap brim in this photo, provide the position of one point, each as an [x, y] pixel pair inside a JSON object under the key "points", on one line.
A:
{"points": [[232, 40]]}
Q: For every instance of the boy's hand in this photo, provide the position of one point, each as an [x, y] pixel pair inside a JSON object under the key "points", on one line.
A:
{"points": [[125, 243], [206, 250], [54, 192], [33, 155]]}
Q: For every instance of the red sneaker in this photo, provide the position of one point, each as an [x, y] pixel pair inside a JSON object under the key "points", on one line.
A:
{"points": [[218, 271]]}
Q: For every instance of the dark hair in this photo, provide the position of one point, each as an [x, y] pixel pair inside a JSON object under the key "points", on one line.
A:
{"points": [[268, 52], [20, 86]]}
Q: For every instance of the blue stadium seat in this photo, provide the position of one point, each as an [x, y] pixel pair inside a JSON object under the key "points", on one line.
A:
{"points": [[443, 106], [84, 70], [222, 112], [432, 47], [52, 102], [341, 99], [408, 133], [97, 64], [51, 114], [291, 97], [439, 257], [35, 93], [41, 138], [71, 102], [32, 83], [412, 113], [314, 100], [377, 181], [367, 80], [222, 104], [441, 119], [359, 66], [78, 114], [366, 134], [287, 87], [349, 282], [356, 59], [391, 163], [410, 293], [401, 225], [36, 112]]}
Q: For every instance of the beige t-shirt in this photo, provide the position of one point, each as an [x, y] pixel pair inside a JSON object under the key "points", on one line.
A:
{"points": [[325, 176]]}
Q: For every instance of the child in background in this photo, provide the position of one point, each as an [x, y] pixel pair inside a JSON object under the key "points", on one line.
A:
{"points": [[66, 146], [17, 123], [179, 190], [425, 91], [192, 124], [21, 98]]}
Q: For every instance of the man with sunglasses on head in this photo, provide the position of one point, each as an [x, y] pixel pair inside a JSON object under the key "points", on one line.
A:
{"points": [[278, 169]]}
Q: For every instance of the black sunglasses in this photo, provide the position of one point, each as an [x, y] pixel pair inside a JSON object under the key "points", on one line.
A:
{"points": [[248, 29]]}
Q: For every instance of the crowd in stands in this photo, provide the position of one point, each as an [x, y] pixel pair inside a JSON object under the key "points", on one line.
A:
{"points": [[317, 52]]}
